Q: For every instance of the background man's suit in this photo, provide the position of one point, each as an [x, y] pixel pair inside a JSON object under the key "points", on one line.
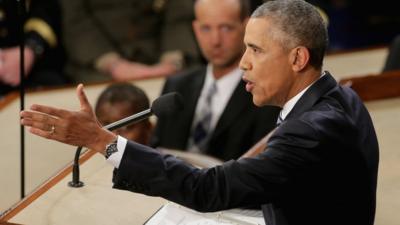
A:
{"points": [[320, 167], [240, 126]]}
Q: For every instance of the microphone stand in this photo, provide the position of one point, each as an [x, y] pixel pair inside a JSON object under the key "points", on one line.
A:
{"points": [[76, 183], [21, 19]]}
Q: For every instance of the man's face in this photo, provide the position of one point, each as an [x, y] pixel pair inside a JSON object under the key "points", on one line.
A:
{"points": [[266, 64], [219, 31]]}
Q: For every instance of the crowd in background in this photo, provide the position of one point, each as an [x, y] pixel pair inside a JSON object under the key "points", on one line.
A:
{"points": [[103, 40]]}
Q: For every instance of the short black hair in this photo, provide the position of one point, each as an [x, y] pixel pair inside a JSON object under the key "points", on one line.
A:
{"points": [[124, 92]]}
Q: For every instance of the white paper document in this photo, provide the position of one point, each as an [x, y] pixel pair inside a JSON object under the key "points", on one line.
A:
{"points": [[173, 214]]}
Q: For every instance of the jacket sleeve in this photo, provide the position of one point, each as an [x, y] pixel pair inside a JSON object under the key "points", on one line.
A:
{"points": [[241, 183]]}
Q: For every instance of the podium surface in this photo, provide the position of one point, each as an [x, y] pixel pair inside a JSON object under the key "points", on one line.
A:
{"points": [[95, 203]]}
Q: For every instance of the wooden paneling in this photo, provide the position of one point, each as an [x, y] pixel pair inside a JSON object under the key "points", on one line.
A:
{"points": [[375, 86]]}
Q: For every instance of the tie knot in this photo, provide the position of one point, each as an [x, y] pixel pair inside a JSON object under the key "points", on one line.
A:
{"points": [[212, 89]]}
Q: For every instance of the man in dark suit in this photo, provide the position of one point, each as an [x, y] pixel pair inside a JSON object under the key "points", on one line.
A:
{"points": [[236, 124], [320, 165]]}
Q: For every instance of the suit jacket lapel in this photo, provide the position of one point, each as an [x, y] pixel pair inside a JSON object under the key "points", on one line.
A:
{"points": [[313, 94], [233, 109]]}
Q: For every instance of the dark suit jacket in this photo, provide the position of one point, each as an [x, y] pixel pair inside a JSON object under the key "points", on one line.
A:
{"points": [[320, 167], [240, 126]]}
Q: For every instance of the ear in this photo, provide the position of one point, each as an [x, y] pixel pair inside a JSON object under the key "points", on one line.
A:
{"points": [[195, 26], [299, 58]]}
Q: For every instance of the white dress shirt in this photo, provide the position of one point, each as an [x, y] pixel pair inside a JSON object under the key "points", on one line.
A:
{"points": [[225, 87], [292, 102]]}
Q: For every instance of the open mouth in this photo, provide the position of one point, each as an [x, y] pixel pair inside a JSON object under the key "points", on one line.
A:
{"points": [[249, 84]]}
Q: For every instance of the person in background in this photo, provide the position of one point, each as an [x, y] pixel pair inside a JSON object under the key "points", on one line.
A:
{"points": [[121, 100], [320, 165], [392, 61], [123, 40], [225, 123], [43, 53]]}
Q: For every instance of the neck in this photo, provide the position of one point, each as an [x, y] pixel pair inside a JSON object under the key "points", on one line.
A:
{"points": [[302, 81], [220, 71]]}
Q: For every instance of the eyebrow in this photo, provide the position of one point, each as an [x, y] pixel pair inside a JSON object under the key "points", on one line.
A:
{"points": [[251, 45]]}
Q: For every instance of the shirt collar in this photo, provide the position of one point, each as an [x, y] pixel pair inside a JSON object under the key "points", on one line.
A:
{"points": [[292, 102], [228, 81]]}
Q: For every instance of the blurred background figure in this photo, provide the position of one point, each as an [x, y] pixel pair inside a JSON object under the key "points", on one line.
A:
{"points": [[124, 40], [392, 61], [43, 53], [357, 23], [360, 24], [121, 100], [219, 117]]}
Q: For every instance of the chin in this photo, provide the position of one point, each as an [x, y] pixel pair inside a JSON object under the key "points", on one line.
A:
{"points": [[257, 102]]}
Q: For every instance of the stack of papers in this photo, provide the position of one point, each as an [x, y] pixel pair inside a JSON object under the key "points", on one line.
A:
{"points": [[173, 214]]}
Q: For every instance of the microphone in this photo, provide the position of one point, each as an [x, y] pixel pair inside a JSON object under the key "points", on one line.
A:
{"points": [[164, 105]]}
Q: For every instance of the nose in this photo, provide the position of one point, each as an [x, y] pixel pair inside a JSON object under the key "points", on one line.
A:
{"points": [[244, 63], [216, 38]]}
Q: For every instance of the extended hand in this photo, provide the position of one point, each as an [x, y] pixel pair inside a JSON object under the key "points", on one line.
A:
{"points": [[79, 128]]}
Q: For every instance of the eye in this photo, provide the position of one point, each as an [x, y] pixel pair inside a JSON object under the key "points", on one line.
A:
{"points": [[226, 28], [204, 28], [255, 50]]}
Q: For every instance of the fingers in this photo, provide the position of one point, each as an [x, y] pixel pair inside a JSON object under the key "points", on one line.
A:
{"points": [[41, 133], [38, 120], [85, 105], [48, 110]]}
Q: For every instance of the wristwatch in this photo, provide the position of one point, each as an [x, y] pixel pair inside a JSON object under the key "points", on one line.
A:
{"points": [[111, 149]]}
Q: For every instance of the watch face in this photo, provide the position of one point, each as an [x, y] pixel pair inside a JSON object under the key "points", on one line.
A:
{"points": [[111, 149]]}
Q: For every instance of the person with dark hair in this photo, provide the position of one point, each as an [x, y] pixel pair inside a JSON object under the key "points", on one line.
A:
{"points": [[320, 165], [225, 123], [121, 100], [43, 53]]}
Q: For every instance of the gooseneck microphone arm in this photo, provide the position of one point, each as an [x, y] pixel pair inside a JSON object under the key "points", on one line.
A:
{"points": [[128, 120], [112, 126], [164, 105]]}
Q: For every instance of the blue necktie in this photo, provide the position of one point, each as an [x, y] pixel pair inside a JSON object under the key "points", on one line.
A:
{"points": [[202, 130]]}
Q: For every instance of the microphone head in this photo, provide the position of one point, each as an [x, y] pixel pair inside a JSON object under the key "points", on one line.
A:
{"points": [[167, 104]]}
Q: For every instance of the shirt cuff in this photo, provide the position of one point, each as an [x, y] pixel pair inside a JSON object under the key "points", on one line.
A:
{"points": [[115, 159]]}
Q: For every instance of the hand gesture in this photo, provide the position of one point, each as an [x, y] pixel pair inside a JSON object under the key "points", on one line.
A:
{"points": [[78, 128]]}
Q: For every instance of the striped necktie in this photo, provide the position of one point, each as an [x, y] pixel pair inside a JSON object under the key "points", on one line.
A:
{"points": [[202, 130]]}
